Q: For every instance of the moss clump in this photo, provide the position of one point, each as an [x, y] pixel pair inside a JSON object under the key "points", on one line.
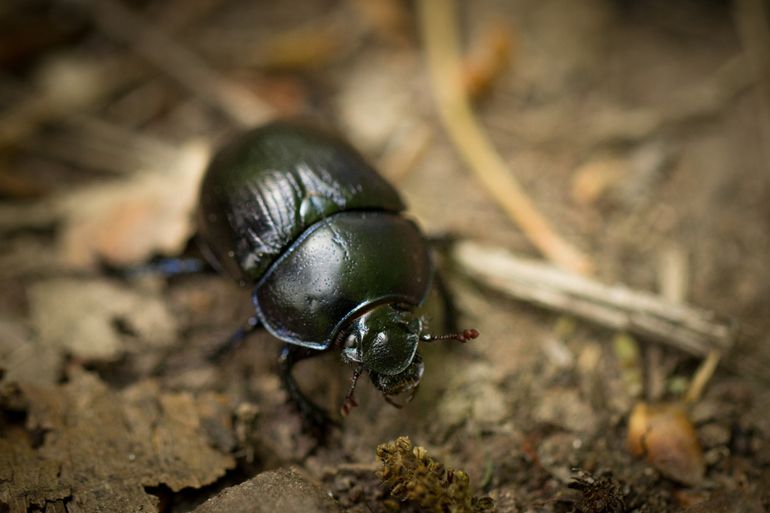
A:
{"points": [[410, 474]]}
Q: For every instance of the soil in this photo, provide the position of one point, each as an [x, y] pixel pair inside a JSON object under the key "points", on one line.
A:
{"points": [[641, 130]]}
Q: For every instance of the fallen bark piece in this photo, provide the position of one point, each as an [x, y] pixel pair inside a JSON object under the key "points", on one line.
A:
{"points": [[98, 449], [284, 490], [22, 468], [685, 327]]}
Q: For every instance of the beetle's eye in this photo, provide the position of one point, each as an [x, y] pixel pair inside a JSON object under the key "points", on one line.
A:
{"points": [[381, 339], [351, 341]]}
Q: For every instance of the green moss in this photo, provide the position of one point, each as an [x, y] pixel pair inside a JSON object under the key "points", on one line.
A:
{"points": [[410, 474]]}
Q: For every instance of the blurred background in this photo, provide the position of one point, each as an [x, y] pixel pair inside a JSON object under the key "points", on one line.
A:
{"points": [[625, 142]]}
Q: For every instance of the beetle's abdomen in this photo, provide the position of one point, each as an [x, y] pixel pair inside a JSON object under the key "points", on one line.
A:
{"points": [[338, 269], [267, 187]]}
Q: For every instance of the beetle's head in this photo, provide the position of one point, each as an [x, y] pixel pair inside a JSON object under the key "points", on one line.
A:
{"points": [[383, 341]]}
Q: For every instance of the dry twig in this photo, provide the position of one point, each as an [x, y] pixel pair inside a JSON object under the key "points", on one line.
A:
{"points": [[102, 145], [673, 272], [90, 82], [155, 45], [96, 80], [685, 327]]}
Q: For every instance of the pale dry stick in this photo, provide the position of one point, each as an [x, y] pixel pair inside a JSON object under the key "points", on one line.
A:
{"points": [[673, 287], [156, 46], [655, 375], [438, 25], [682, 326], [672, 283]]}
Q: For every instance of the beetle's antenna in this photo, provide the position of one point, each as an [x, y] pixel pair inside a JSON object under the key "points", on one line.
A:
{"points": [[463, 337], [349, 403]]}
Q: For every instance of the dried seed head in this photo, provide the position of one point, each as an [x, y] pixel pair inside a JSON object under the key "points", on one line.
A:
{"points": [[411, 474]]}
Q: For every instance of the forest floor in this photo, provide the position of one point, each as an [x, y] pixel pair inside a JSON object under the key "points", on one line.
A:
{"points": [[640, 131]]}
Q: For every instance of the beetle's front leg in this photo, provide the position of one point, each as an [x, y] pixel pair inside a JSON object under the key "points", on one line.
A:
{"points": [[235, 340], [166, 267], [314, 418], [450, 309]]}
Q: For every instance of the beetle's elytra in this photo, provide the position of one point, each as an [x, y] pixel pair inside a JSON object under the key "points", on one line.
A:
{"points": [[298, 215]]}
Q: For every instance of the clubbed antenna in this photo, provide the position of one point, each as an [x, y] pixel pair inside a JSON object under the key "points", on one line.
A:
{"points": [[463, 337], [350, 402]]}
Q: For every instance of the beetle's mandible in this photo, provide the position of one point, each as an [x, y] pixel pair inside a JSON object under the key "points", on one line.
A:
{"points": [[297, 214]]}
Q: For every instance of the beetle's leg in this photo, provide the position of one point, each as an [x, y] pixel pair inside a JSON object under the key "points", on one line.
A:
{"points": [[450, 309], [161, 267], [235, 340], [350, 401], [391, 402], [315, 419]]}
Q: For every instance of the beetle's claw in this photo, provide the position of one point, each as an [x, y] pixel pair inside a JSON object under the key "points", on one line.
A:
{"points": [[348, 404], [412, 391], [390, 401]]}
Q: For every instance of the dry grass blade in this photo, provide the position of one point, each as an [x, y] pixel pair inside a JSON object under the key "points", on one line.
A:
{"points": [[438, 26]]}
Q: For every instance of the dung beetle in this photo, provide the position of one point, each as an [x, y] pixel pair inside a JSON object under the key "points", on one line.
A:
{"points": [[297, 214]]}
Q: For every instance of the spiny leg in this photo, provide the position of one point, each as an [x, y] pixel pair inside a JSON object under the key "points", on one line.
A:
{"points": [[350, 401], [167, 267], [450, 308], [314, 418], [235, 340]]}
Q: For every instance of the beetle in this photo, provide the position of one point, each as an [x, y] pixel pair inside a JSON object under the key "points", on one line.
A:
{"points": [[297, 214]]}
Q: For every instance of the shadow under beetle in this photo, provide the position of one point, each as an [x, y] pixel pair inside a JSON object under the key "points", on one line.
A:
{"points": [[298, 215]]}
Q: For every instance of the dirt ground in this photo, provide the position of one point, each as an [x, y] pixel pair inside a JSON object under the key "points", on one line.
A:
{"points": [[640, 130]]}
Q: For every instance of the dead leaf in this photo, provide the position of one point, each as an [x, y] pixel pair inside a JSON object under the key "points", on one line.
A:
{"points": [[665, 435], [489, 59], [89, 318], [125, 222], [592, 179], [25, 359]]}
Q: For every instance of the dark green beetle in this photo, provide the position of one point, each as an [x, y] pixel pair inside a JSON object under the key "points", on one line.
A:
{"points": [[298, 214]]}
